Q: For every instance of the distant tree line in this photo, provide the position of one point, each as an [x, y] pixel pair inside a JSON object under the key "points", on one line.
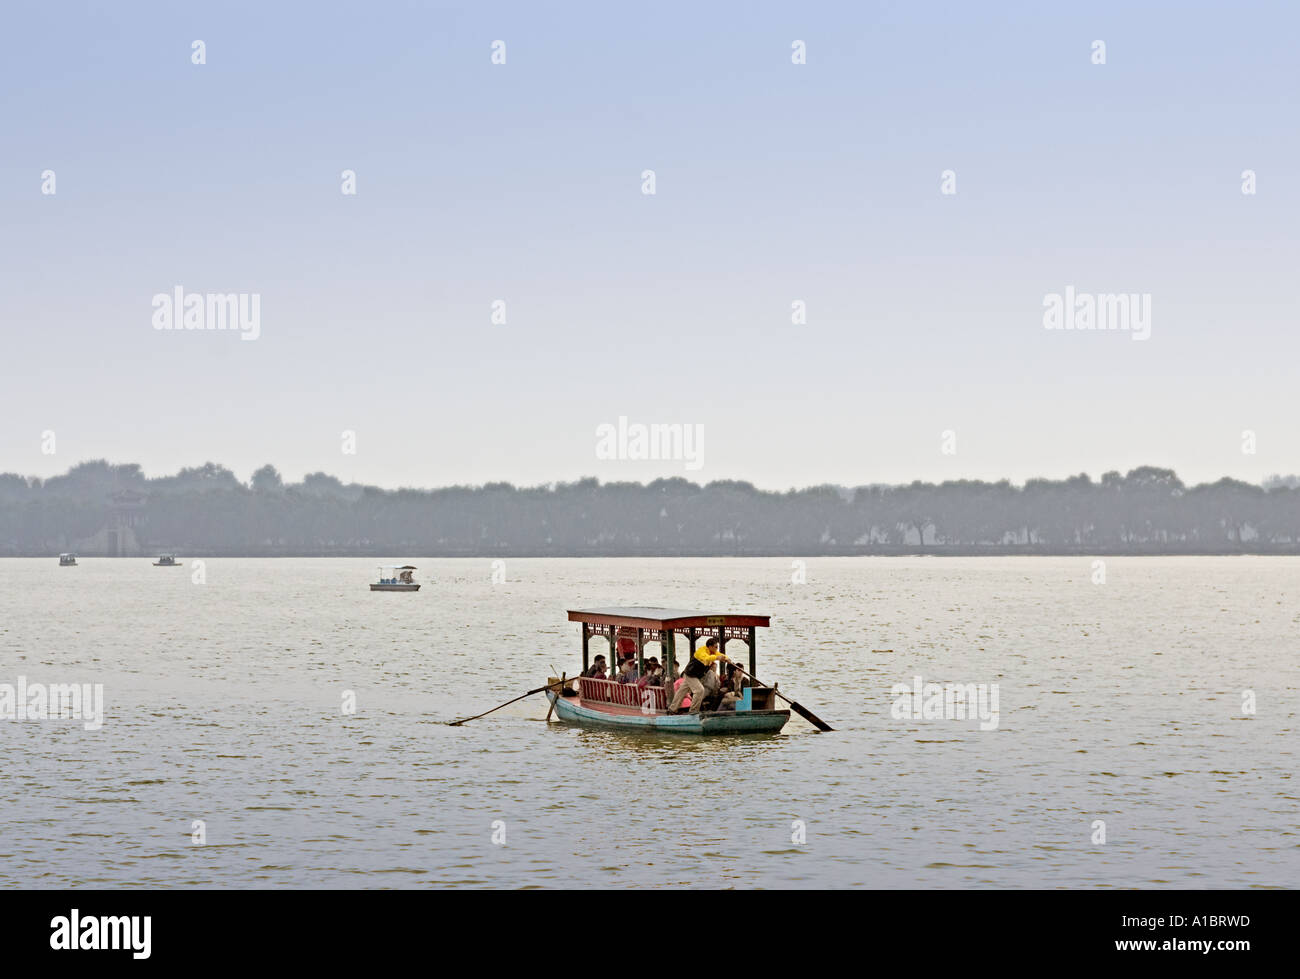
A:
{"points": [[207, 510]]}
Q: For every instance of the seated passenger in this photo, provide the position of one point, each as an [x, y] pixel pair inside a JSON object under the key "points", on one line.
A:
{"points": [[654, 676], [735, 680], [597, 669], [628, 672], [712, 689]]}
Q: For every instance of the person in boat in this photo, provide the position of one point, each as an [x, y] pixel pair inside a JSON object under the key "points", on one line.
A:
{"points": [[712, 688], [627, 673], [693, 677], [678, 685], [733, 681], [732, 689], [597, 669], [654, 675]]}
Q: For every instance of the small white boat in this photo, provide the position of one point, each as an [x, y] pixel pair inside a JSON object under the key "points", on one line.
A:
{"points": [[67, 560], [394, 577], [167, 561]]}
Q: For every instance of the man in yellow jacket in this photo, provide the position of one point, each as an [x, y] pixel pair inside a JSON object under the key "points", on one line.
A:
{"points": [[692, 684]]}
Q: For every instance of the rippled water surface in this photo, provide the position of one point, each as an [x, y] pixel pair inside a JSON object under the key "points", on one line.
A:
{"points": [[1120, 702]]}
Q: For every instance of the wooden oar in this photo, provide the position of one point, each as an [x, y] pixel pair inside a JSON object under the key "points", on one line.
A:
{"points": [[799, 709], [506, 704], [550, 710]]}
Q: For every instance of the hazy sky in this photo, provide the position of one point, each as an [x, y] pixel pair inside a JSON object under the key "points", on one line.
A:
{"points": [[774, 183]]}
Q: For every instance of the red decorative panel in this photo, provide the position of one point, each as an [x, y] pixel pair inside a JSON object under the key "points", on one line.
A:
{"points": [[622, 694]]}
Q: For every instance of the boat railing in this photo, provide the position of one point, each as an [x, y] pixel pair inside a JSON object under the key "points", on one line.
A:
{"points": [[622, 694]]}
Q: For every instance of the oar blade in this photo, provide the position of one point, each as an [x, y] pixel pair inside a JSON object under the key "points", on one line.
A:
{"points": [[810, 717], [799, 709]]}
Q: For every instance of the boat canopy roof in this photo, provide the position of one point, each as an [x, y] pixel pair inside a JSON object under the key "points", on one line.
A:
{"points": [[651, 617]]}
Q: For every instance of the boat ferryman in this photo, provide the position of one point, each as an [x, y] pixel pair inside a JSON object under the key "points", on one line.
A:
{"points": [[692, 683]]}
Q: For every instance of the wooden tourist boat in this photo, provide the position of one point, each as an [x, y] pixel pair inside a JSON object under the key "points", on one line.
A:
{"points": [[67, 560], [166, 561], [595, 702], [399, 577]]}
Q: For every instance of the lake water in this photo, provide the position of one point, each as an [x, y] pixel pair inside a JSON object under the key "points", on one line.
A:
{"points": [[1121, 702]]}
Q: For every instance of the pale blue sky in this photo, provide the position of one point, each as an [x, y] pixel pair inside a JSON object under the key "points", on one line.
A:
{"points": [[775, 183]]}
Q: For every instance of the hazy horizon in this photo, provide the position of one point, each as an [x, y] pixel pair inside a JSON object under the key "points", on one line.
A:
{"points": [[297, 478]]}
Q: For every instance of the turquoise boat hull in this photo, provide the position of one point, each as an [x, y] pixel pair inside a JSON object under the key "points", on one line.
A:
{"points": [[572, 711]]}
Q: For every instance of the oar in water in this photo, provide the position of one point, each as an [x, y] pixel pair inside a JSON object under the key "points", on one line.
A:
{"points": [[799, 709], [548, 686]]}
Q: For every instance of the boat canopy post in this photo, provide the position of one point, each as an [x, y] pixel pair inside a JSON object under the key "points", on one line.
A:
{"points": [[613, 649], [667, 651], [640, 652], [584, 647], [753, 650]]}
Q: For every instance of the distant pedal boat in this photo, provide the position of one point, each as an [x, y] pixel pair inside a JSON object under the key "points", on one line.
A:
{"points": [[600, 703], [394, 577], [67, 560], [167, 561]]}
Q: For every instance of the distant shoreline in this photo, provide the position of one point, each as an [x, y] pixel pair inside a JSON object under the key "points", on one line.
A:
{"points": [[98, 508], [930, 550]]}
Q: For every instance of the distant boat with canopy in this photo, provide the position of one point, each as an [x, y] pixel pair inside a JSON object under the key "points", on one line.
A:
{"points": [[167, 561], [67, 560], [396, 577], [603, 703]]}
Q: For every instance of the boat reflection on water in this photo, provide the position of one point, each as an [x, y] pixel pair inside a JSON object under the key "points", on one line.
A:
{"points": [[617, 743]]}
